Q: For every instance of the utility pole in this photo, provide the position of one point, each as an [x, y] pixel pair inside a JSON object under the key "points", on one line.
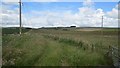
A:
{"points": [[20, 17], [102, 22], [102, 30]]}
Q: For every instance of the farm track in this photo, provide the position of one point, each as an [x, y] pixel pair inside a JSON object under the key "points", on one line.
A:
{"points": [[69, 49], [40, 51]]}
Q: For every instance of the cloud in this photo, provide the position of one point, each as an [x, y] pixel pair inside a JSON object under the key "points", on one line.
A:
{"points": [[67, 18], [30, 0], [43, 0], [113, 13], [10, 0], [87, 16], [88, 3], [10, 3], [9, 16], [58, 0]]}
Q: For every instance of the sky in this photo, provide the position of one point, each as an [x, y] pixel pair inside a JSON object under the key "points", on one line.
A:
{"points": [[58, 0], [60, 14]]}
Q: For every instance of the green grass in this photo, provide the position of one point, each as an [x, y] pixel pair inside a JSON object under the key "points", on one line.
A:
{"points": [[48, 47], [13, 30]]}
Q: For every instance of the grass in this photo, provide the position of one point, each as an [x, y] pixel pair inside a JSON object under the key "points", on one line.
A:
{"points": [[13, 30], [49, 47]]}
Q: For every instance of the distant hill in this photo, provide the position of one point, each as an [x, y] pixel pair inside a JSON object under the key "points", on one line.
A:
{"points": [[13, 30]]}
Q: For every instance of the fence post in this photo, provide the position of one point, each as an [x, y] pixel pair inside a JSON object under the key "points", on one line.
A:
{"points": [[92, 47], [110, 53]]}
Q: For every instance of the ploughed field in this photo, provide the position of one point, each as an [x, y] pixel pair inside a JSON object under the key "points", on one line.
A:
{"points": [[58, 47]]}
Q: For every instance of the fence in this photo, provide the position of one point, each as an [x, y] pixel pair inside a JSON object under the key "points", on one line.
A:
{"points": [[114, 54]]}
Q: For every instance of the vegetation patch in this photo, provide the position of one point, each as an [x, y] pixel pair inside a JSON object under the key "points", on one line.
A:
{"points": [[49, 47]]}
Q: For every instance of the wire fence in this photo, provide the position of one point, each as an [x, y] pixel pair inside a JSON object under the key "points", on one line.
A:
{"points": [[114, 54]]}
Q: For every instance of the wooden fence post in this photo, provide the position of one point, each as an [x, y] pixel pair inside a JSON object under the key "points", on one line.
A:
{"points": [[110, 53], [92, 47]]}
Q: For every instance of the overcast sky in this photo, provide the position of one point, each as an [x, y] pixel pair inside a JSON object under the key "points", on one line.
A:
{"points": [[60, 14]]}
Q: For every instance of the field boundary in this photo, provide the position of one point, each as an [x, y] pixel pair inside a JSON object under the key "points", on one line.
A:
{"points": [[112, 51], [114, 54]]}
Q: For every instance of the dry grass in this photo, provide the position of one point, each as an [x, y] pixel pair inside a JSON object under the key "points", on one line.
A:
{"points": [[49, 47]]}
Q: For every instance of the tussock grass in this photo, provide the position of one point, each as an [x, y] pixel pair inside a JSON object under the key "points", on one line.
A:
{"points": [[54, 48]]}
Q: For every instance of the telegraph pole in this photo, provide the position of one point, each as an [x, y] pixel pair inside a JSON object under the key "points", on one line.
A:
{"points": [[102, 30], [20, 18], [102, 22]]}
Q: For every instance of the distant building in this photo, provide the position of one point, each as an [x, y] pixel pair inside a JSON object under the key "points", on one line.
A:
{"points": [[28, 28], [73, 26]]}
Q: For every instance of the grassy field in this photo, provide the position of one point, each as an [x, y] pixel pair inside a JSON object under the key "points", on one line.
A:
{"points": [[58, 47]]}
